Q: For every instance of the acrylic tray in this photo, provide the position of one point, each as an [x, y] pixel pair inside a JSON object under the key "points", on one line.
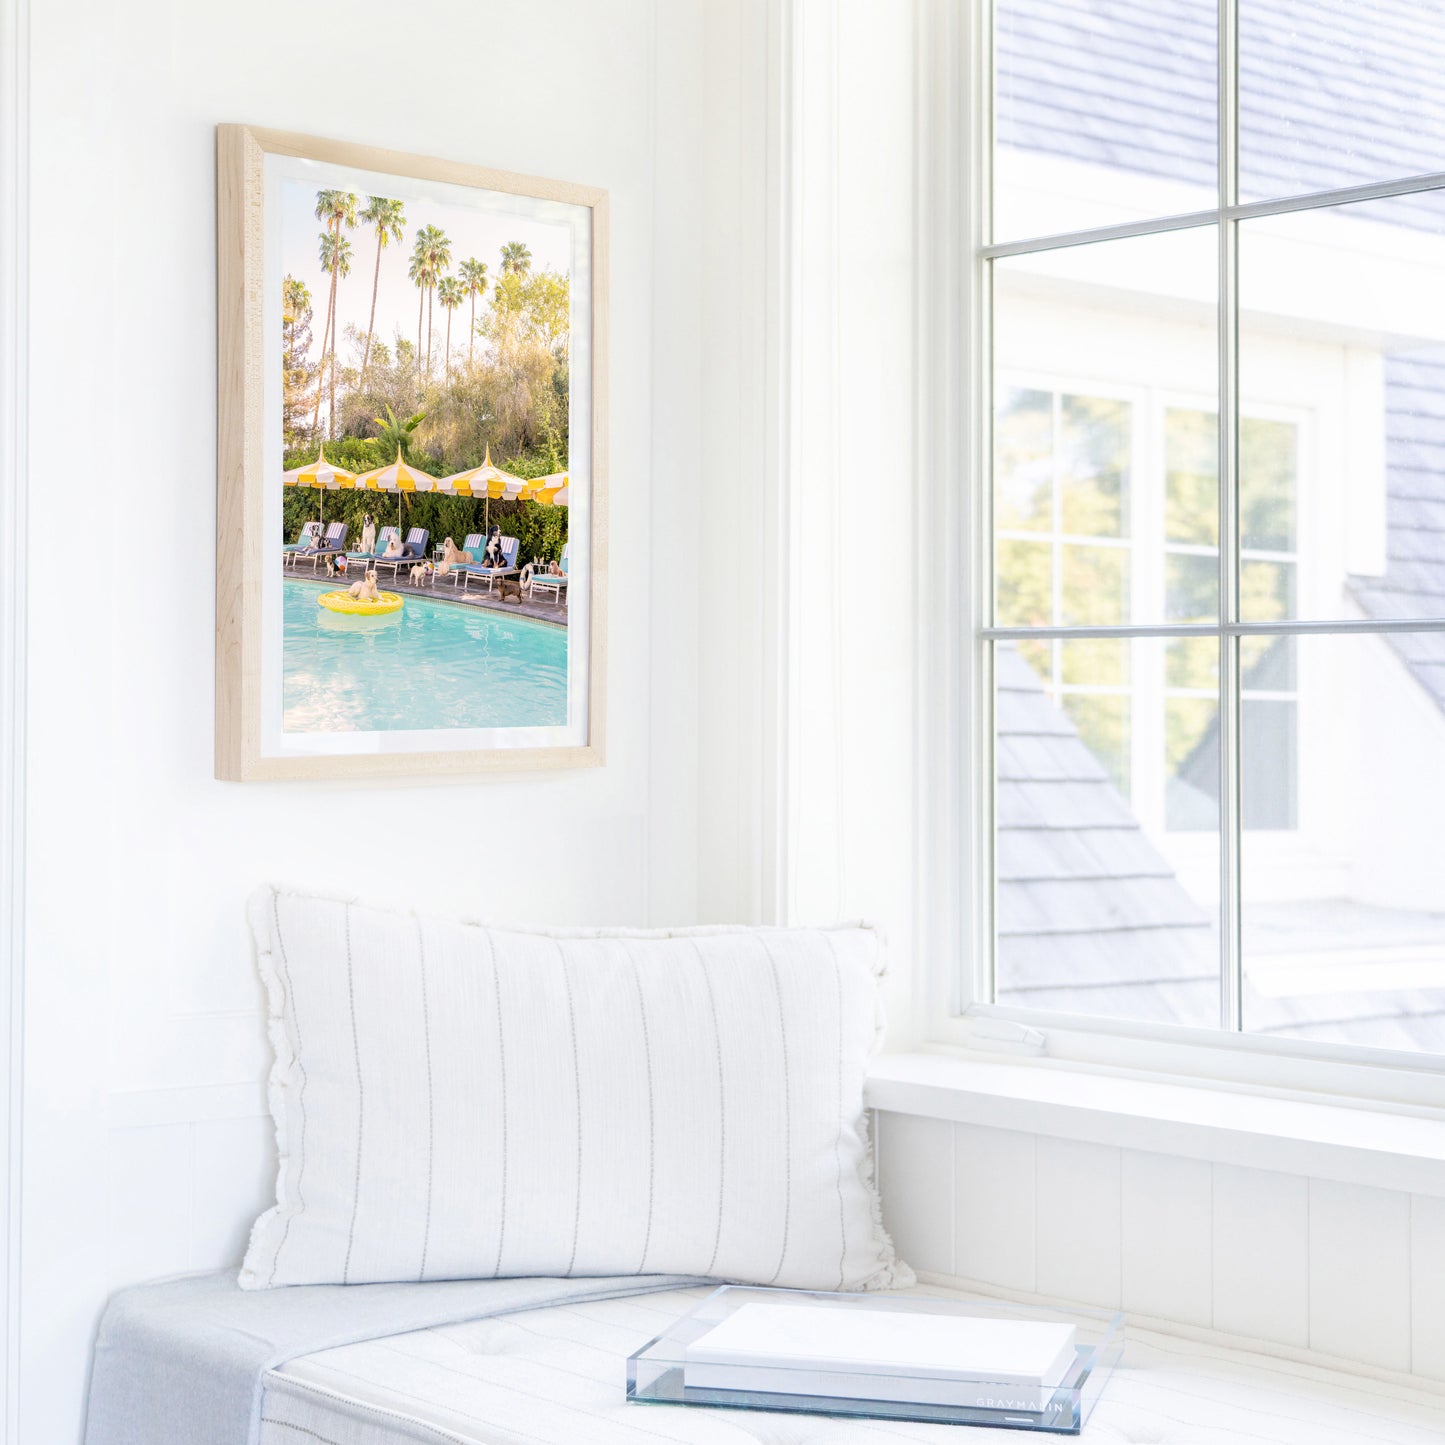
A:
{"points": [[655, 1372]]}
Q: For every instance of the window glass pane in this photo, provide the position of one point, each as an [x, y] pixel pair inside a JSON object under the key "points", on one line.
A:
{"points": [[1102, 909], [1267, 664], [1338, 92], [1191, 476], [1192, 663], [1094, 586], [1025, 583], [1092, 662], [1268, 468], [1342, 379], [1024, 460], [1104, 112], [1191, 586], [1090, 341], [1095, 452], [1344, 913], [1191, 744]]}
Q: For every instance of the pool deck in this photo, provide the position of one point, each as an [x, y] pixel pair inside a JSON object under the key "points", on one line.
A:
{"points": [[443, 589]]}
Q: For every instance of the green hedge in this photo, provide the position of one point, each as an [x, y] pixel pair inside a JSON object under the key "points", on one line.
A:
{"points": [[540, 531]]}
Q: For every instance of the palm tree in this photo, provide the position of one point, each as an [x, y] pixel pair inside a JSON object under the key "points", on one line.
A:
{"points": [[451, 293], [389, 219], [295, 303], [435, 249], [419, 273], [473, 275], [336, 259], [334, 209], [516, 257]]}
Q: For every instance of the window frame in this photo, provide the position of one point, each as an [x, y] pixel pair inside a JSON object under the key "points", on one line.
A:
{"points": [[958, 820]]}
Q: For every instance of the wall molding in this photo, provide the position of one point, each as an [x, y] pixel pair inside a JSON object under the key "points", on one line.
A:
{"points": [[14, 301]]}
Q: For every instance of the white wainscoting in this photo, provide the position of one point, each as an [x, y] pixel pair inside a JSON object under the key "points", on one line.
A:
{"points": [[182, 1196], [1345, 1270]]}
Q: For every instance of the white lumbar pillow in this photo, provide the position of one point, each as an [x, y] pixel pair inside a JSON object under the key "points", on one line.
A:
{"points": [[454, 1101]]}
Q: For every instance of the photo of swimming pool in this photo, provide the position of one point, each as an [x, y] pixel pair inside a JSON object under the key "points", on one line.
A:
{"points": [[431, 665]]}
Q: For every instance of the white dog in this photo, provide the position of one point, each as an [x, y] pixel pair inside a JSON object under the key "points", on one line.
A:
{"points": [[366, 589], [420, 573]]}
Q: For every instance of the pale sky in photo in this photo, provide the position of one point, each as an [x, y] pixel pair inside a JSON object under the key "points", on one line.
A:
{"points": [[473, 232]]}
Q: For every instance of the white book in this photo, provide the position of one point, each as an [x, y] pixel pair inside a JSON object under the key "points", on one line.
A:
{"points": [[869, 1353]]}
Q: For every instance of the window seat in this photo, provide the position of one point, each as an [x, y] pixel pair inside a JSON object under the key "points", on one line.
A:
{"points": [[556, 1375]]}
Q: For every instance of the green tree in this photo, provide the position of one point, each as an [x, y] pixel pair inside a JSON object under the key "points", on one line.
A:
{"points": [[388, 219], [515, 258], [334, 209], [336, 260], [419, 274], [396, 436], [473, 275], [451, 293], [542, 303], [434, 250], [296, 370]]}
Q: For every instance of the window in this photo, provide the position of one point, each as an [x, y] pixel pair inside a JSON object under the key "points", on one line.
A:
{"points": [[1215, 630]]}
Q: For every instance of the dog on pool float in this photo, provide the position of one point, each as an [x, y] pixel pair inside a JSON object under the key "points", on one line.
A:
{"points": [[366, 590]]}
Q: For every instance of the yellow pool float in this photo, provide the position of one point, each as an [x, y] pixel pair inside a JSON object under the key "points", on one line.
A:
{"points": [[359, 607]]}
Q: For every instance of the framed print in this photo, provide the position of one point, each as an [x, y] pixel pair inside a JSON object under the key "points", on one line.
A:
{"points": [[411, 555]]}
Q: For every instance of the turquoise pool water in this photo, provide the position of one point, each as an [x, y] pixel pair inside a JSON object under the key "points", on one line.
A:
{"points": [[431, 665]]}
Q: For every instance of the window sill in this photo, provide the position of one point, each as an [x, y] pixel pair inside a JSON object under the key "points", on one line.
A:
{"points": [[1321, 1138]]}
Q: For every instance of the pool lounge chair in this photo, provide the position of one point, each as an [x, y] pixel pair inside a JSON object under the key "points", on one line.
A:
{"points": [[465, 571], [413, 551], [549, 582], [474, 544], [307, 538], [382, 538], [331, 544]]}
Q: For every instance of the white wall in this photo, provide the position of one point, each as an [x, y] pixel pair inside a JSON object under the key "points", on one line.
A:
{"points": [[145, 1146], [1299, 1263], [808, 792]]}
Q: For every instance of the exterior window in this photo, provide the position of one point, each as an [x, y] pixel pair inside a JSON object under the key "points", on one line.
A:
{"points": [[1215, 630]]}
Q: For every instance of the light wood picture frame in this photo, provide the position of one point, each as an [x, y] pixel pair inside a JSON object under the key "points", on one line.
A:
{"points": [[461, 660]]}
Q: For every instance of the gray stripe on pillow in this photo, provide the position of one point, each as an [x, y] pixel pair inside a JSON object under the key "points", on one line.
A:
{"points": [[430, 1099], [300, 1203], [787, 1111], [502, 1092], [651, 1107], [722, 1105], [837, 1141], [577, 1096], [360, 1099]]}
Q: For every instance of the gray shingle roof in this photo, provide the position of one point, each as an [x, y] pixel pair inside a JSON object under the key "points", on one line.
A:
{"points": [[1413, 583], [1092, 920], [1331, 94]]}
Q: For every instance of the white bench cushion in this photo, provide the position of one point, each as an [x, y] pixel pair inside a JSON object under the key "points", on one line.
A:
{"points": [[556, 1377]]}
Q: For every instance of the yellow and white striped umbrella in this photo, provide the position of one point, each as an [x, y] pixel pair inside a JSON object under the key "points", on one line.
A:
{"points": [[400, 476], [320, 473], [485, 481], [550, 491]]}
